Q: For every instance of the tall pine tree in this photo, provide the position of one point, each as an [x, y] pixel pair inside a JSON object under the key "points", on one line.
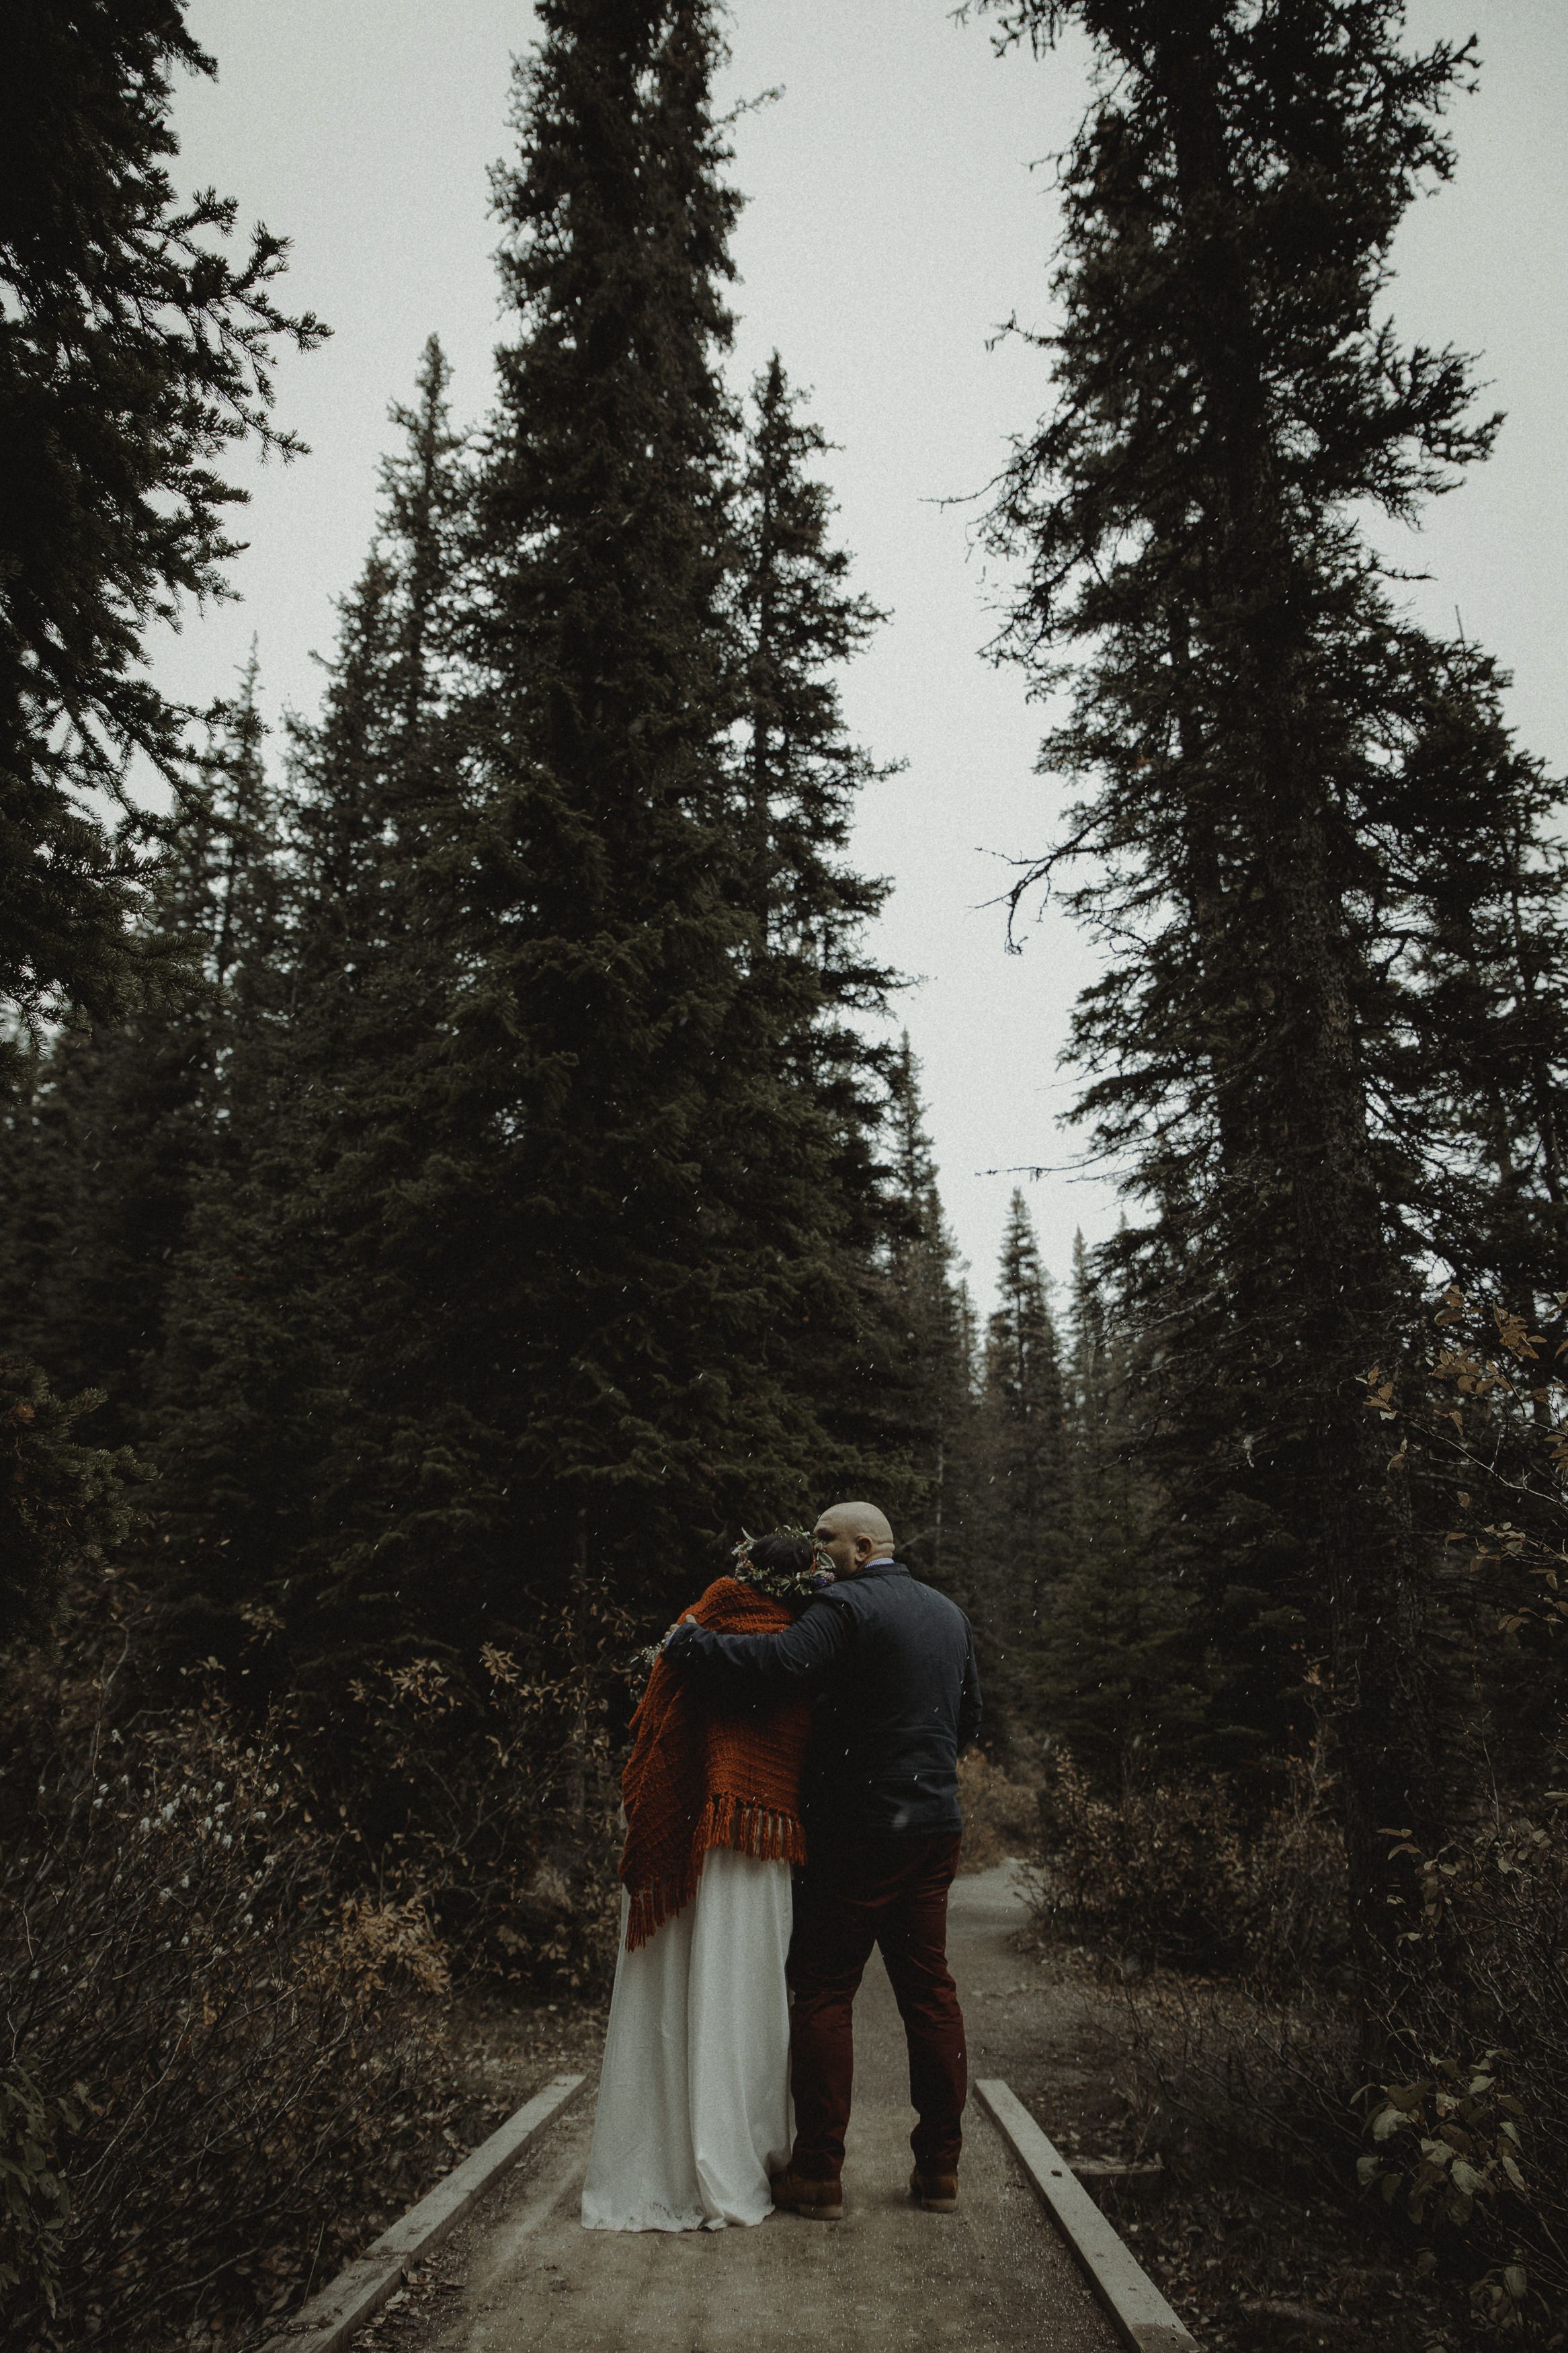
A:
{"points": [[136, 353], [1281, 793], [278, 1417], [1121, 1679], [660, 1266], [1022, 1525], [133, 352], [121, 1116], [934, 1342], [800, 620]]}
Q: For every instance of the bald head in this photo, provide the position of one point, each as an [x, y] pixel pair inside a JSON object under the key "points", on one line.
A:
{"points": [[853, 1534]]}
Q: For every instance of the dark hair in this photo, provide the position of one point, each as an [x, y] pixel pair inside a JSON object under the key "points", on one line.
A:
{"points": [[783, 1556]]}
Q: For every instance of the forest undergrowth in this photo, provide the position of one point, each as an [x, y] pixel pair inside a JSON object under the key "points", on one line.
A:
{"points": [[235, 2053], [1424, 2209]]}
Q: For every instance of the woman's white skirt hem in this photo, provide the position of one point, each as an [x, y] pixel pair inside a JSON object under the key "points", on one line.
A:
{"points": [[694, 2114]]}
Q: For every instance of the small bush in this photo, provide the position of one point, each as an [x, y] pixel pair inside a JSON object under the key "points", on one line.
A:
{"points": [[1001, 1817], [34, 2201], [1470, 2141], [1230, 2076], [494, 1797], [1461, 2141], [1168, 1873], [224, 1958], [229, 2033]]}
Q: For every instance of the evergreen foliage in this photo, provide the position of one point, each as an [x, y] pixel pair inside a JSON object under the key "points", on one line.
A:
{"points": [[62, 1502], [800, 622], [1021, 1528], [540, 1242], [292, 1310], [934, 1339], [663, 1256], [498, 1219], [133, 352], [121, 1117], [1296, 800], [1118, 1684]]}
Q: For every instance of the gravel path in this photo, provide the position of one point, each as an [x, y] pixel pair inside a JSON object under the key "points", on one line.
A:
{"points": [[993, 2278]]}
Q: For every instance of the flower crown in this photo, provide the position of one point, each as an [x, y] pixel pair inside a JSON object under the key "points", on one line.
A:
{"points": [[783, 1585]]}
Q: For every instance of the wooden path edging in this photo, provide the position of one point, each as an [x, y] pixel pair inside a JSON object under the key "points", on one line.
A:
{"points": [[330, 2318], [1138, 2312]]}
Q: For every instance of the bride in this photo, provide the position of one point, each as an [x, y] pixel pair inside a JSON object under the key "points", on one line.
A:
{"points": [[694, 2107]]}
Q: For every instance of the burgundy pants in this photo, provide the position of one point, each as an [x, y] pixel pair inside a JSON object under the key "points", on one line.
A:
{"points": [[889, 1890]]}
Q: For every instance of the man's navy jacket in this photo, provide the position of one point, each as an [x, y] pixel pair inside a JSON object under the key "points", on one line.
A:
{"points": [[892, 1663]]}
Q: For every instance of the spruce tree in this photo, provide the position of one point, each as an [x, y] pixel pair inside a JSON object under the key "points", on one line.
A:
{"points": [[659, 1264], [935, 1354], [806, 960], [134, 351], [121, 1116], [801, 621], [1490, 1016], [1021, 1526], [292, 1305], [1094, 1417], [1281, 795], [105, 1139], [1122, 1679]]}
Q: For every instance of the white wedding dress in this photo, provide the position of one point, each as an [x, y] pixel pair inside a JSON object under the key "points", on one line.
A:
{"points": [[694, 2109]]}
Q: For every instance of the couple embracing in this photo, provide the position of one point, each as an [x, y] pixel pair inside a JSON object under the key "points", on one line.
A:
{"points": [[791, 1800]]}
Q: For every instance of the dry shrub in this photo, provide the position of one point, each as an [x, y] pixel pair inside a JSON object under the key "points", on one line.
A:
{"points": [[227, 2034], [494, 1799], [1001, 1817], [1460, 2140], [224, 1953], [34, 2205], [1229, 1941], [1468, 2141], [1168, 1873], [1229, 2076]]}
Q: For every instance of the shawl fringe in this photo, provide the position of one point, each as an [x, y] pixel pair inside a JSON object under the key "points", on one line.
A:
{"points": [[741, 1823], [698, 1778]]}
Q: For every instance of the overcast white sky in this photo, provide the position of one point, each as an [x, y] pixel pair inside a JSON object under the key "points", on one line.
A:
{"points": [[893, 221]]}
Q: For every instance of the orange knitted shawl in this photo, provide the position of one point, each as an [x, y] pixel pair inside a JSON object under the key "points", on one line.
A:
{"points": [[696, 1778]]}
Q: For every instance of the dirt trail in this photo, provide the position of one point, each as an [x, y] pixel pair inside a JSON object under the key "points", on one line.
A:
{"points": [[993, 2278]]}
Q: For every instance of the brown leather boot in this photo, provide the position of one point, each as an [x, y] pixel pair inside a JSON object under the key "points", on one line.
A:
{"points": [[937, 2192], [819, 2201]]}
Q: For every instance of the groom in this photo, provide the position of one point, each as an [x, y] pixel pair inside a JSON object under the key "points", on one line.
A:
{"points": [[892, 1663]]}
